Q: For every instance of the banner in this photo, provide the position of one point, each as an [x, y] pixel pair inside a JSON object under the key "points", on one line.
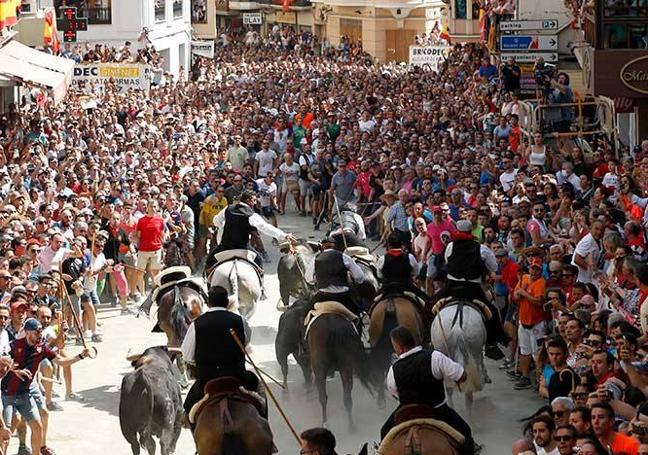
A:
{"points": [[125, 75], [252, 19], [203, 48], [428, 57]]}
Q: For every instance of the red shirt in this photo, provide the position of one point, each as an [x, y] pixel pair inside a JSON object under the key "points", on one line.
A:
{"points": [[150, 229]]}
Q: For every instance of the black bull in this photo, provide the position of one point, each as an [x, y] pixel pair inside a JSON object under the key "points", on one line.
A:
{"points": [[150, 403]]}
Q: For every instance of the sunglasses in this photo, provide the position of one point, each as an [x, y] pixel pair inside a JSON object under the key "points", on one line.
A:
{"points": [[559, 413], [564, 438], [579, 396]]}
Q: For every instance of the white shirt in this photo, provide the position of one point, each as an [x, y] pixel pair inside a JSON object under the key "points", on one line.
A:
{"points": [[412, 261], [5, 347], [266, 192], [487, 256], [507, 179], [357, 275], [587, 245], [443, 367], [51, 260], [266, 159], [189, 343], [255, 221], [290, 173]]}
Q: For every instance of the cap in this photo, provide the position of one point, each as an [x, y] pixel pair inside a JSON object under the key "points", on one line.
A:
{"points": [[32, 324], [535, 262], [18, 305], [464, 226], [501, 252], [437, 208]]}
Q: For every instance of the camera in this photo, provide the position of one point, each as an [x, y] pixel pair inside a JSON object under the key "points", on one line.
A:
{"points": [[543, 73]]}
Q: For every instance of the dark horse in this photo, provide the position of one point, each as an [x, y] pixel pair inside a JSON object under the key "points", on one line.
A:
{"points": [[289, 340], [334, 345], [230, 425]]}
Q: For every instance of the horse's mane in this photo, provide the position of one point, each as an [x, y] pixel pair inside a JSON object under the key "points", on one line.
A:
{"points": [[179, 315]]}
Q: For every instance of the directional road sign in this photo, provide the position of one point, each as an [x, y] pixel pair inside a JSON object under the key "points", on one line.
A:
{"points": [[530, 57], [541, 24], [529, 42]]}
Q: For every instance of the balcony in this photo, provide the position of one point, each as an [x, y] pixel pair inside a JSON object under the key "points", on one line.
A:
{"points": [[177, 8], [97, 16], [160, 10], [279, 3]]}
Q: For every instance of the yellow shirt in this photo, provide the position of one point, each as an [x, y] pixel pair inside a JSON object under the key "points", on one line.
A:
{"points": [[211, 207]]}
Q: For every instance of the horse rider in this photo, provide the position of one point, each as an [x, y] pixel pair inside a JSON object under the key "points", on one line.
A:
{"points": [[397, 268], [348, 228], [237, 222], [211, 349], [467, 262], [417, 377], [332, 268]]}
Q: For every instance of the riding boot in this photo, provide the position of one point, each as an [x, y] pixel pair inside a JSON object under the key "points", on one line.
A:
{"points": [[492, 350]]}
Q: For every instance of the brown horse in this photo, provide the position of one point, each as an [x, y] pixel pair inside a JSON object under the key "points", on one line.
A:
{"points": [[385, 315], [230, 425], [422, 437], [334, 345]]}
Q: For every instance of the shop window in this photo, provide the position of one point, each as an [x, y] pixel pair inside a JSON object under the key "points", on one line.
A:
{"points": [[461, 9]]}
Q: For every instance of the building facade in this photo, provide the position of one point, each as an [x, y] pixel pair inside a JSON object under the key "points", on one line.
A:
{"points": [[165, 24]]}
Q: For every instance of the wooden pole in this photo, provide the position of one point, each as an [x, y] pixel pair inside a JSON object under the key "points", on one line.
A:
{"points": [[274, 400]]}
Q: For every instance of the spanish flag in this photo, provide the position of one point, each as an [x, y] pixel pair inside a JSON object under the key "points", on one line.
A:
{"points": [[445, 34], [286, 5], [9, 12], [50, 37]]}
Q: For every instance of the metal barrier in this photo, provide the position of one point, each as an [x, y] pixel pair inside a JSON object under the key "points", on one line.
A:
{"points": [[603, 118]]}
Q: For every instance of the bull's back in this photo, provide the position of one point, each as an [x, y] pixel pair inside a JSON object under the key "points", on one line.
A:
{"points": [[135, 404]]}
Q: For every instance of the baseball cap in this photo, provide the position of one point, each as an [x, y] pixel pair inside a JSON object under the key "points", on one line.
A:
{"points": [[437, 208], [18, 305], [32, 324], [535, 262]]}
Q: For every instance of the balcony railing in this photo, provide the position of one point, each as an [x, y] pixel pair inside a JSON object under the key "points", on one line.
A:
{"points": [[160, 10], [177, 8], [97, 15], [297, 3]]}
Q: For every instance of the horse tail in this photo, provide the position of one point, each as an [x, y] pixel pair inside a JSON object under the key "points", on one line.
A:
{"points": [[179, 315], [381, 352], [344, 342], [232, 444], [233, 281]]}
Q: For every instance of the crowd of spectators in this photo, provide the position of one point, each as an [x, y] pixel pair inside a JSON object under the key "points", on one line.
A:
{"points": [[82, 189]]}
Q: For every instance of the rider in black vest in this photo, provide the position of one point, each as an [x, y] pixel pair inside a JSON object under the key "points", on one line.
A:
{"points": [[348, 228], [210, 347], [332, 268], [467, 263], [396, 269], [237, 222], [417, 378]]}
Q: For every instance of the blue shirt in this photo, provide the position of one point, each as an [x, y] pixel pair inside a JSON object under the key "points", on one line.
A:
{"points": [[488, 72]]}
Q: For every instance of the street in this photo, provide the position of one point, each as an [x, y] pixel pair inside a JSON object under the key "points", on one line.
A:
{"points": [[92, 427]]}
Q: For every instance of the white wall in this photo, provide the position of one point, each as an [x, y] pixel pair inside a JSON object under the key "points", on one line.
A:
{"points": [[550, 9]]}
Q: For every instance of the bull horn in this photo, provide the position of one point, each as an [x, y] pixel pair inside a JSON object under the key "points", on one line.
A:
{"points": [[133, 356]]}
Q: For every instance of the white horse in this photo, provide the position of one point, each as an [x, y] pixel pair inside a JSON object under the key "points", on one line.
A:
{"points": [[462, 338], [241, 281]]}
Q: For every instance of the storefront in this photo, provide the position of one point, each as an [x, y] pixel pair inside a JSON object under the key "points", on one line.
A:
{"points": [[623, 76]]}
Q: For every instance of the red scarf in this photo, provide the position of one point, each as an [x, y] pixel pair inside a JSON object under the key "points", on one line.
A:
{"points": [[463, 236], [395, 252]]}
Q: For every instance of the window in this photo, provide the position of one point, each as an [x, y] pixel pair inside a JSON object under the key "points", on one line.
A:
{"points": [[461, 9], [625, 8], [96, 11], [177, 8], [198, 11], [160, 10], [625, 36]]}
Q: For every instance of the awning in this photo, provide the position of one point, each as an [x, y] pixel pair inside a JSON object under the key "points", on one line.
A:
{"points": [[24, 64]]}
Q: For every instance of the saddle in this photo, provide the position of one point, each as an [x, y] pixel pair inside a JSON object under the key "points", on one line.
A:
{"points": [[225, 388], [328, 307], [406, 436], [418, 302], [229, 255], [451, 301]]}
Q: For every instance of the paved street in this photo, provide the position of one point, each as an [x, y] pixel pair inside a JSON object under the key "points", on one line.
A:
{"points": [[92, 427]]}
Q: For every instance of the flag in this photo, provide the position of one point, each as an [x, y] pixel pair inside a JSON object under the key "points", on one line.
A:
{"points": [[8, 12], [445, 34], [50, 37], [286, 5]]}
